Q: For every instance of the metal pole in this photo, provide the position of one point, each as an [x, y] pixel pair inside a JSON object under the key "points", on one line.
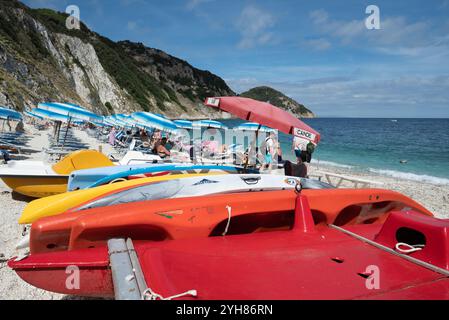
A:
{"points": [[67, 131]]}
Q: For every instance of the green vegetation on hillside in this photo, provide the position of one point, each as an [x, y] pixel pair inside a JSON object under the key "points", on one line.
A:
{"points": [[153, 79], [276, 98]]}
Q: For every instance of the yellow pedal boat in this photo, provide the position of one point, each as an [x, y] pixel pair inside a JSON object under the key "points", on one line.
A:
{"points": [[37, 180]]}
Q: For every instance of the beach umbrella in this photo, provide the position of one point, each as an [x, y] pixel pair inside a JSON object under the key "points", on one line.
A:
{"points": [[8, 114], [252, 126], [153, 121], [184, 124], [126, 119], [45, 114], [30, 114], [116, 121], [209, 124], [265, 114], [70, 110]]}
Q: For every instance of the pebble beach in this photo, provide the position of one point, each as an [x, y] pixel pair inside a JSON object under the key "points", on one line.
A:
{"points": [[432, 196]]}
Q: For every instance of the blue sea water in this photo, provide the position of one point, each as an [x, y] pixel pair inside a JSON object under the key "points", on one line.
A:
{"points": [[379, 145]]}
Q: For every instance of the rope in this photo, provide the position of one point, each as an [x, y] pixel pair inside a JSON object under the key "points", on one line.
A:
{"points": [[409, 248], [149, 294], [229, 220]]}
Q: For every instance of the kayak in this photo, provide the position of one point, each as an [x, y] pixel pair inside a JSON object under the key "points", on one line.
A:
{"points": [[85, 179], [212, 215], [60, 203], [36, 179], [307, 261]]}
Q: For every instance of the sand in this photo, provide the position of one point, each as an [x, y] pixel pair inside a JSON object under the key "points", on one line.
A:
{"points": [[432, 196]]}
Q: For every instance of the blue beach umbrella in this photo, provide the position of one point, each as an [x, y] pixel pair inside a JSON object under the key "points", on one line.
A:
{"points": [[184, 124], [45, 114], [116, 121], [31, 114], [252, 126], [209, 124], [6, 114], [126, 119], [149, 120], [71, 111]]}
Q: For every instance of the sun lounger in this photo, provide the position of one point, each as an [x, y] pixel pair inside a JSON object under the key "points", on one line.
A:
{"points": [[340, 179]]}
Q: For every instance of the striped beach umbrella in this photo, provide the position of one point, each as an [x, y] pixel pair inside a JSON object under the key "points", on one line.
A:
{"points": [[184, 124], [70, 110], [209, 124], [149, 120], [116, 120], [252, 126], [31, 114], [8, 114], [45, 114]]}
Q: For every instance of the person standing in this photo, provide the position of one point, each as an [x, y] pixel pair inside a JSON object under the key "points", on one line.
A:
{"points": [[270, 151], [300, 148], [310, 150]]}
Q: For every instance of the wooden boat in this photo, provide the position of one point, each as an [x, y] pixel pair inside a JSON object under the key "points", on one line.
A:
{"points": [[358, 259], [200, 217]]}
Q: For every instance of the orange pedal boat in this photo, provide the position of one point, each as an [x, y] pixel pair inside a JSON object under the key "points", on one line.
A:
{"points": [[215, 215]]}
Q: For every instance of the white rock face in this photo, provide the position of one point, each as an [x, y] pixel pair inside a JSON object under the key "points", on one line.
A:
{"points": [[91, 72]]}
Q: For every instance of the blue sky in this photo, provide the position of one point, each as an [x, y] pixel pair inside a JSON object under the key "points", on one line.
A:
{"points": [[318, 52]]}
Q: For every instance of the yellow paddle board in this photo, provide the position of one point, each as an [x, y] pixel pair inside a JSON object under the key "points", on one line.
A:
{"points": [[58, 204]]}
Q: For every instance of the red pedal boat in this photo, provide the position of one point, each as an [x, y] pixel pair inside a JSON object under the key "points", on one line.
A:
{"points": [[403, 257], [200, 217]]}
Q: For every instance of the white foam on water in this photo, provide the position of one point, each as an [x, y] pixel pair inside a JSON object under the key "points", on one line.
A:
{"points": [[332, 164], [412, 176]]}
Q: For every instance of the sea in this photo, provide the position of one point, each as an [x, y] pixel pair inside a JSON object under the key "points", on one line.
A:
{"points": [[414, 149]]}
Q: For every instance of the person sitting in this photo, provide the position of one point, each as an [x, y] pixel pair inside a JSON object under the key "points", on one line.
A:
{"points": [[160, 148], [19, 127], [146, 143], [295, 170]]}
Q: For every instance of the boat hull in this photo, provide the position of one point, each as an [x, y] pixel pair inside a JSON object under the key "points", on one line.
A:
{"points": [[37, 186], [37, 180], [297, 264], [200, 217]]}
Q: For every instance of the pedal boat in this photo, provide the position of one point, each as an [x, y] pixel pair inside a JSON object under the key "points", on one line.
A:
{"points": [[36, 179], [204, 216], [347, 256]]}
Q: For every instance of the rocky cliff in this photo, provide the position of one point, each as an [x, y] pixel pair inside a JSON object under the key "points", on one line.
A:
{"points": [[41, 60]]}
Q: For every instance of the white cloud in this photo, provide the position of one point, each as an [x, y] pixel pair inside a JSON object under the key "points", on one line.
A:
{"points": [[397, 36], [394, 95], [254, 26], [192, 4]]}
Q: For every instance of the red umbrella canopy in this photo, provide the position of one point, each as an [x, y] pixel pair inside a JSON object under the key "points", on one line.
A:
{"points": [[264, 114]]}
